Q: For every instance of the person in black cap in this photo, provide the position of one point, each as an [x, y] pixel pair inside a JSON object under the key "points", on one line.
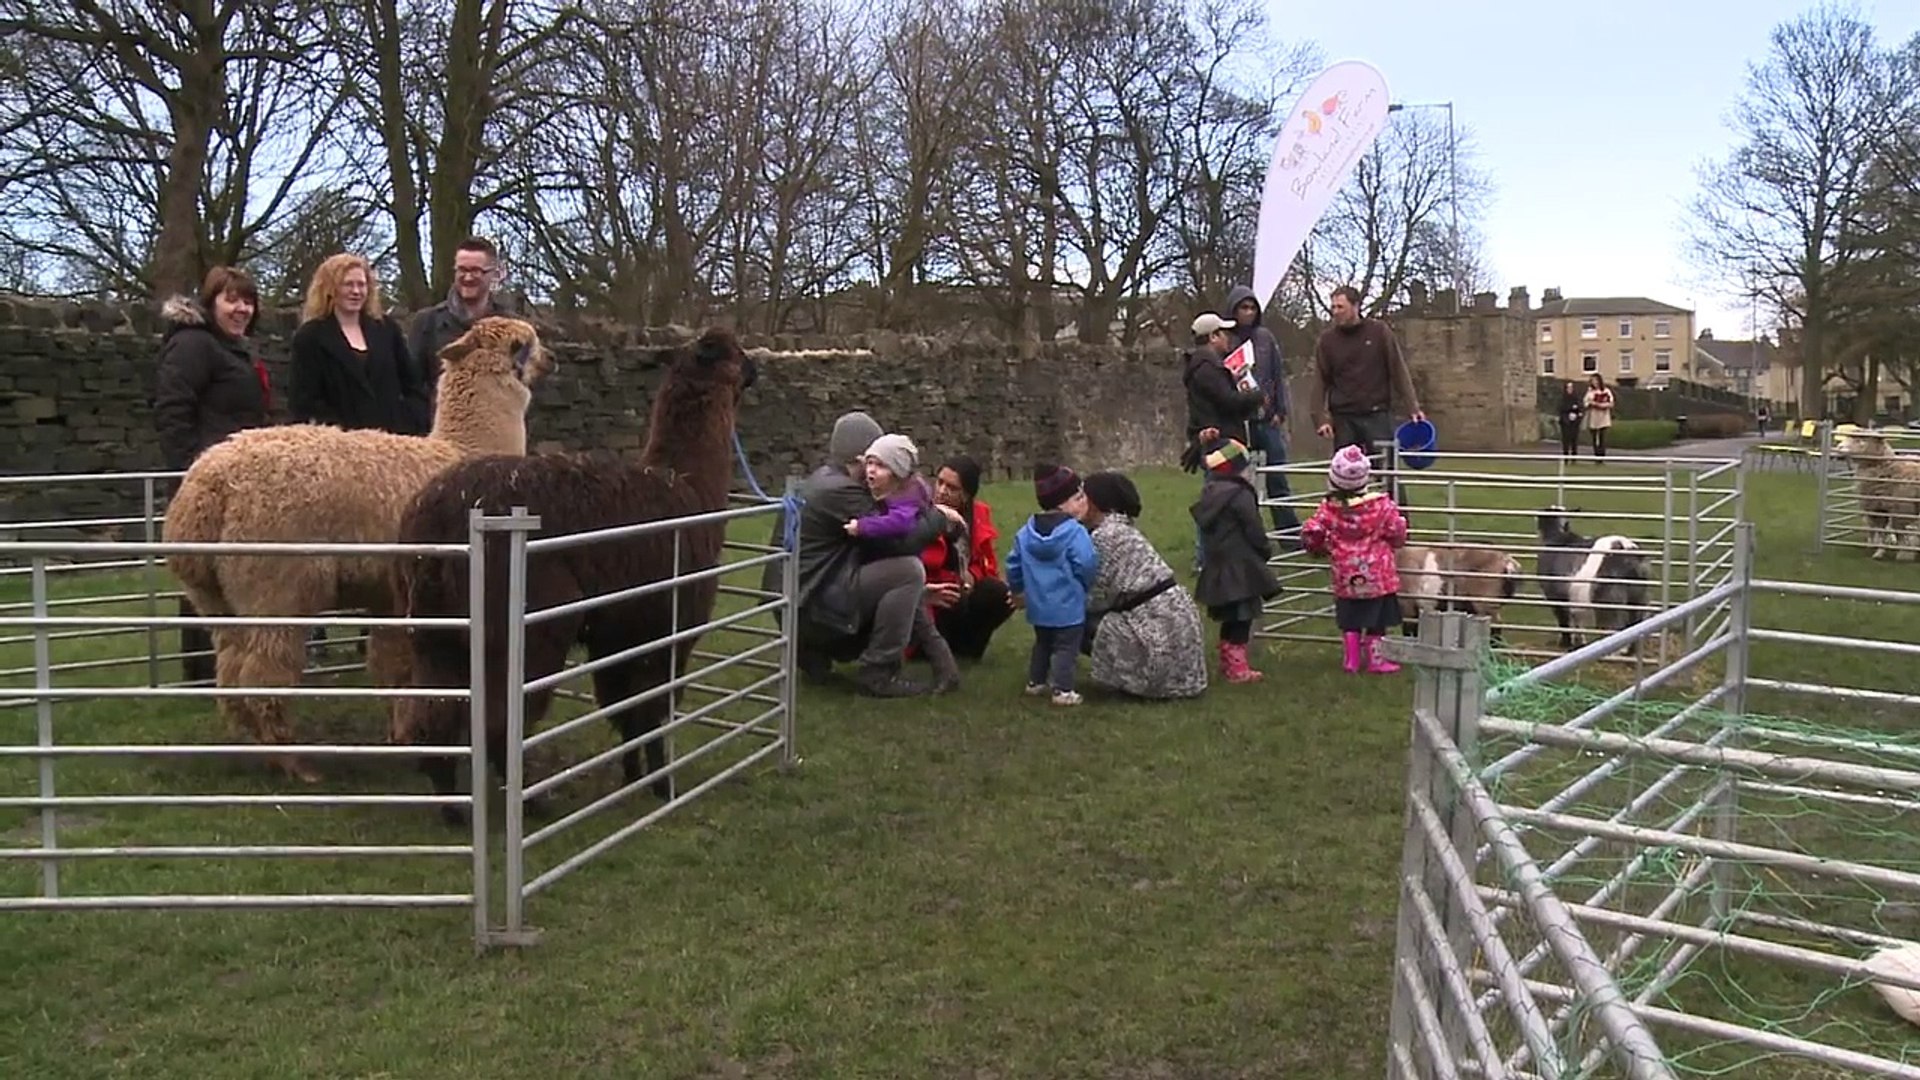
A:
{"points": [[1049, 572]]}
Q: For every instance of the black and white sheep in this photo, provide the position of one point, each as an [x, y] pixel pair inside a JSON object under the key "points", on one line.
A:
{"points": [[1455, 577], [1889, 489], [1600, 583]]}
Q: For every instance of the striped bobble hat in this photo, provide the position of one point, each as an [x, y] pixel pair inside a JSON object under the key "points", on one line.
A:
{"points": [[1228, 456]]}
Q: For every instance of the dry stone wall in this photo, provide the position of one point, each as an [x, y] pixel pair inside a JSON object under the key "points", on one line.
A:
{"points": [[76, 382]]}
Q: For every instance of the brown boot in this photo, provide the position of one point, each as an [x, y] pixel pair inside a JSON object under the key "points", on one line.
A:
{"points": [[886, 681], [946, 672]]}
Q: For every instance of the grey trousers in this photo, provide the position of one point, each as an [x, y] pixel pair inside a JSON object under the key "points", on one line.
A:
{"points": [[891, 594]]}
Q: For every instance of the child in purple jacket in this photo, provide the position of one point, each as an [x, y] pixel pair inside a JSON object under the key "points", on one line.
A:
{"points": [[892, 475]]}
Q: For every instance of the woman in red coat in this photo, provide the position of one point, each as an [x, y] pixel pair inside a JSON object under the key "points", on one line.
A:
{"points": [[965, 591]]}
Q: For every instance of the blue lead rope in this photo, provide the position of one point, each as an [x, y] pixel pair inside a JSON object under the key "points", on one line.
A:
{"points": [[790, 503]]}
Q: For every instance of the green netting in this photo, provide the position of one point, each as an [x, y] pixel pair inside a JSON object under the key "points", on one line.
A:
{"points": [[1829, 913]]}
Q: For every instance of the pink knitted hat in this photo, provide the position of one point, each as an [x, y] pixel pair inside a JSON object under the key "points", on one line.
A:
{"points": [[1350, 470]]}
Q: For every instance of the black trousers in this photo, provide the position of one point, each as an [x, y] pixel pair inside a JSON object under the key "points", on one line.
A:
{"points": [[1364, 430], [970, 623], [1569, 438], [195, 639]]}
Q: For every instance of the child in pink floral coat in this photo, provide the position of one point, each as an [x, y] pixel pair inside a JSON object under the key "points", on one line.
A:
{"points": [[1359, 529]]}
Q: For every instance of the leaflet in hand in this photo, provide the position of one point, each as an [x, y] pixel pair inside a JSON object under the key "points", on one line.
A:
{"points": [[1240, 363]]}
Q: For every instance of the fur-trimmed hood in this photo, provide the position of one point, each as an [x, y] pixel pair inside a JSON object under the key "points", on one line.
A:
{"points": [[184, 311]]}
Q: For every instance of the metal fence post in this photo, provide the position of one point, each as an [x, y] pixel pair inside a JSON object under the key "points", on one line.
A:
{"points": [[43, 710], [519, 525], [1734, 705], [790, 654], [1448, 686], [1666, 553], [1693, 544], [1823, 432], [147, 566], [479, 771]]}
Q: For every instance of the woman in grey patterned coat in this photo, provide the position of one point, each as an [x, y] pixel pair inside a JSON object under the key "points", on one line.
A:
{"points": [[1146, 636]]}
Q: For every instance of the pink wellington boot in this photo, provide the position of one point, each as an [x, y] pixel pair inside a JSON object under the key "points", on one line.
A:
{"points": [[1239, 670], [1351, 639], [1378, 664]]}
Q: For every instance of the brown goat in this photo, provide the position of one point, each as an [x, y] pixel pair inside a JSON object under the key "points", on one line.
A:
{"points": [[1455, 577], [685, 469]]}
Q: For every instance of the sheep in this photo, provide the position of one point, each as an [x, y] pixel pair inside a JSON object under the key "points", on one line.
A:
{"points": [[1889, 492], [316, 483], [1456, 577], [1601, 583]]}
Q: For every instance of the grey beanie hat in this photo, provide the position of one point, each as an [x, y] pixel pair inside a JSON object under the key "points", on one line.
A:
{"points": [[852, 434], [897, 453]]}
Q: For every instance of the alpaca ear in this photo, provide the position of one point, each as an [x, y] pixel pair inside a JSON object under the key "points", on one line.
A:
{"points": [[456, 351]]}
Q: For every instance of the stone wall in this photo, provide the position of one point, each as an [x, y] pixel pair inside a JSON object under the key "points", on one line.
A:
{"points": [[76, 380]]}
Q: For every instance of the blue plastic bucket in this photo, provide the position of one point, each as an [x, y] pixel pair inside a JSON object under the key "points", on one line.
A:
{"points": [[1415, 440]]}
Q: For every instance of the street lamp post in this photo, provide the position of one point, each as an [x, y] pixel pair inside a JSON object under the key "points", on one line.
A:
{"points": [[1453, 187]]}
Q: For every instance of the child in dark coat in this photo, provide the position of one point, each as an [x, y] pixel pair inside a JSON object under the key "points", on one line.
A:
{"points": [[1359, 530], [1234, 577], [1049, 571]]}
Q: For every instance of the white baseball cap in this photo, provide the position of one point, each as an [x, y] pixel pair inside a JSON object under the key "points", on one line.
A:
{"points": [[1208, 323]]}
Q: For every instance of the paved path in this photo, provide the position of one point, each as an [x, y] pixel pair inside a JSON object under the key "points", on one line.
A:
{"points": [[1724, 449]]}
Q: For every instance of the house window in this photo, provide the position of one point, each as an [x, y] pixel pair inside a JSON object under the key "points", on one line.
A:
{"points": [[1589, 362], [1663, 359], [1546, 363], [1546, 332], [1626, 361], [1589, 328], [1663, 328], [1626, 327]]}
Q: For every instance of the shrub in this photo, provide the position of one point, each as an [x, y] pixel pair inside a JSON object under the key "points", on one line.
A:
{"points": [[1718, 426], [1641, 434]]}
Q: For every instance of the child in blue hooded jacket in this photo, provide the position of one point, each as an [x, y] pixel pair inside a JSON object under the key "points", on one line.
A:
{"points": [[1049, 572]]}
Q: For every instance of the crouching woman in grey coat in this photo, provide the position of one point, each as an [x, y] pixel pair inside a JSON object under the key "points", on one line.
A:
{"points": [[1146, 637]]}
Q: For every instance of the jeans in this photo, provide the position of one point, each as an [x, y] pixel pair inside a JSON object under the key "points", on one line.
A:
{"points": [[1055, 657], [1270, 440]]}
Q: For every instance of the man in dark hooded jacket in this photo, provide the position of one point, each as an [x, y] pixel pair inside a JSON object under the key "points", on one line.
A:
{"points": [[1268, 430]]}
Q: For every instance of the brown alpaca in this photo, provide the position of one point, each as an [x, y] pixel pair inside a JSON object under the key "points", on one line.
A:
{"points": [[684, 470], [316, 483]]}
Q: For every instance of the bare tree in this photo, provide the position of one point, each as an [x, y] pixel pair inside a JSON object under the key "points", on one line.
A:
{"points": [[921, 120], [1780, 215], [135, 131], [1391, 223]]}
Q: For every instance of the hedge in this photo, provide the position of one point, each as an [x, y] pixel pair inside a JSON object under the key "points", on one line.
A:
{"points": [[1642, 434], [1718, 426]]}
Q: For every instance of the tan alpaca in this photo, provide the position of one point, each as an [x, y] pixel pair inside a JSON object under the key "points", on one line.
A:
{"points": [[316, 483]]}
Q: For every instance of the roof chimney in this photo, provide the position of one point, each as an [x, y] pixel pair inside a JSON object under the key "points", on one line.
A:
{"points": [[1550, 294]]}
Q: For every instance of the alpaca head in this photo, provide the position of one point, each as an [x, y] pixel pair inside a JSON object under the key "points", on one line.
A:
{"points": [[498, 347], [484, 392], [693, 415]]}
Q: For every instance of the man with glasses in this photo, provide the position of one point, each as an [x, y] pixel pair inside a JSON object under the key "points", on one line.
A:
{"points": [[476, 276]]}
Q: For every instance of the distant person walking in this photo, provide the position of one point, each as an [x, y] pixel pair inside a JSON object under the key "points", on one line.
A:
{"points": [[475, 294], [1599, 402], [1572, 408], [1268, 428]]}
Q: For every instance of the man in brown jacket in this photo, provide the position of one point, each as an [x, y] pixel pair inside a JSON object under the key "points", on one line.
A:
{"points": [[1358, 370]]}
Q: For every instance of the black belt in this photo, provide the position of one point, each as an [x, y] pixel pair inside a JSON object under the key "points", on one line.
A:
{"points": [[1133, 600]]}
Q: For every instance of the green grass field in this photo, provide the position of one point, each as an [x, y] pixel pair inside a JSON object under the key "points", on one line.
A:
{"points": [[980, 885]]}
